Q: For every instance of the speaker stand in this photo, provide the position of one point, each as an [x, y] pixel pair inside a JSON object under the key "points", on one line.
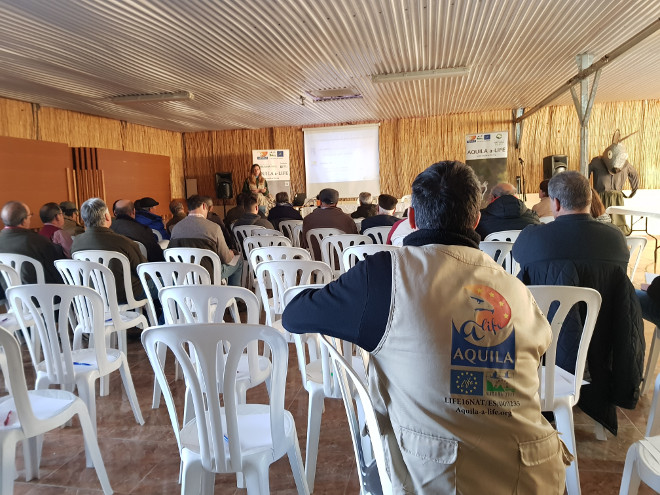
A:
{"points": [[224, 207]]}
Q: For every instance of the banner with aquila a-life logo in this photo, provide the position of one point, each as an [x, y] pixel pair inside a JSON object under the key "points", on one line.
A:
{"points": [[487, 153]]}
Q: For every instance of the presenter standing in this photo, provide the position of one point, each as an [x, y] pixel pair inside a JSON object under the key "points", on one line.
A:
{"points": [[256, 184]]}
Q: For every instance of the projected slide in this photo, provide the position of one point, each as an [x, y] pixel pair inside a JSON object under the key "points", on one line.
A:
{"points": [[344, 158]]}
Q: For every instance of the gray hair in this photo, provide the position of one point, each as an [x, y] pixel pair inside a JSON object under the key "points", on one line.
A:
{"points": [[93, 212], [365, 198], [572, 189]]}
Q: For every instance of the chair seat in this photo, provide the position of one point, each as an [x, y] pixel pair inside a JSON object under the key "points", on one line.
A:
{"points": [[563, 382], [243, 371], [45, 404], [86, 359], [8, 320], [253, 427]]}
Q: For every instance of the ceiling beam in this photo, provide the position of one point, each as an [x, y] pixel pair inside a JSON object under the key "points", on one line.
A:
{"points": [[583, 74]]}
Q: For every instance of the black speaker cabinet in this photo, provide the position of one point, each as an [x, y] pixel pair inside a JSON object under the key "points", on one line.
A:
{"points": [[554, 164], [223, 185]]}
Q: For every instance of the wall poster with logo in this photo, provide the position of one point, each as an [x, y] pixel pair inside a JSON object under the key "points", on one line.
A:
{"points": [[486, 154], [274, 166]]}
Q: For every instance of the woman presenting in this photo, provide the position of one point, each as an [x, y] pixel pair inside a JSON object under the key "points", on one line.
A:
{"points": [[256, 184]]}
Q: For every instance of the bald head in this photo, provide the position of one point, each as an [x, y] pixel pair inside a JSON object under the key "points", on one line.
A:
{"points": [[124, 207], [503, 189], [16, 214]]}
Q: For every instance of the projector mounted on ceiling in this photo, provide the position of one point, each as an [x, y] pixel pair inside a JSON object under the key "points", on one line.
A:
{"points": [[333, 94], [422, 74], [153, 97]]}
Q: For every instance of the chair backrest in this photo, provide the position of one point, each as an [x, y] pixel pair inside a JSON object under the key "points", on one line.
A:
{"points": [[498, 250], [562, 299], [198, 256], [256, 241], [159, 236], [241, 232], [209, 354], [653, 422], [10, 276], [353, 390], [269, 253], [51, 307], [504, 235], [83, 273], [547, 219], [354, 254], [170, 273], [142, 248], [25, 266], [286, 227], [112, 259], [332, 249], [636, 246], [297, 235], [315, 236], [283, 274], [268, 232], [378, 234]]}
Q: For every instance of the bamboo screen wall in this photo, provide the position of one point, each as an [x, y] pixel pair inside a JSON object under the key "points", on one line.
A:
{"points": [[407, 146], [30, 121]]}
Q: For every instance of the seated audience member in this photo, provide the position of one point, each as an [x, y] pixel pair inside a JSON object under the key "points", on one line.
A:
{"points": [[366, 209], [98, 235], [598, 208], [542, 208], [236, 212], [215, 218], [17, 238], [326, 216], [144, 216], [282, 210], [437, 438], [577, 250], [53, 218], [385, 217], [178, 214], [197, 231], [251, 214], [125, 224], [398, 232], [71, 218], [649, 299], [505, 212]]}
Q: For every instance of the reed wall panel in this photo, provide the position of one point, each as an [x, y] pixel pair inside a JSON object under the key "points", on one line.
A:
{"points": [[79, 129], [17, 119]]}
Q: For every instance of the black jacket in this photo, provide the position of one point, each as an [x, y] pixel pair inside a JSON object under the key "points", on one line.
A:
{"points": [[283, 211], [365, 211], [576, 250], [505, 213], [127, 226]]}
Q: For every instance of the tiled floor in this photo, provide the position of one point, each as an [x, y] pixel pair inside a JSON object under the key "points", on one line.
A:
{"points": [[144, 459]]}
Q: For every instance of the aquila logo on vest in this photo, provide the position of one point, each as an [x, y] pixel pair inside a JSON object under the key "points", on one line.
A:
{"points": [[485, 338]]}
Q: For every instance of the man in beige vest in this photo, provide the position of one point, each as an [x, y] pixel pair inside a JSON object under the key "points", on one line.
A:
{"points": [[455, 344]]}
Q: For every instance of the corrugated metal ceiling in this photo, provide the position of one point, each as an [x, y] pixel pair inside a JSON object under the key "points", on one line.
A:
{"points": [[249, 62]]}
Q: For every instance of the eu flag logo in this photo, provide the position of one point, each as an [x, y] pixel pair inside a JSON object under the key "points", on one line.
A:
{"points": [[466, 382]]}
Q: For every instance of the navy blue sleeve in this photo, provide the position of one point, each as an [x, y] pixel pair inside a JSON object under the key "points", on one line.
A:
{"points": [[355, 308]]}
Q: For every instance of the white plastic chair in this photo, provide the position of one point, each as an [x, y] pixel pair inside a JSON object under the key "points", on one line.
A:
{"points": [[165, 274], [31, 414], [257, 241], [17, 262], [315, 236], [499, 251], [268, 232], [358, 223], [547, 219], [318, 379], [373, 474], [282, 274], [287, 227], [636, 246], [255, 435], [159, 236], [297, 235], [108, 258], [241, 232], [511, 265], [332, 249], [560, 390], [642, 459], [196, 256], [269, 253], [353, 254], [63, 365], [654, 350], [206, 304], [378, 234], [142, 248]]}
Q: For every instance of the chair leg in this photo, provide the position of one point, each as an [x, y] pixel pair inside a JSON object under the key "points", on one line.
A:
{"points": [[564, 421], [161, 351], [599, 432], [313, 431], [92, 451], [295, 460], [191, 473], [256, 479], [130, 390], [630, 480], [647, 384], [32, 456], [7, 466]]}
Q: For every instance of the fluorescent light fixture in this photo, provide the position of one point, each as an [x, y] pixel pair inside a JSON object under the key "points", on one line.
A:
{"points": [[153, 97], [333, 94], [422, 74]]}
